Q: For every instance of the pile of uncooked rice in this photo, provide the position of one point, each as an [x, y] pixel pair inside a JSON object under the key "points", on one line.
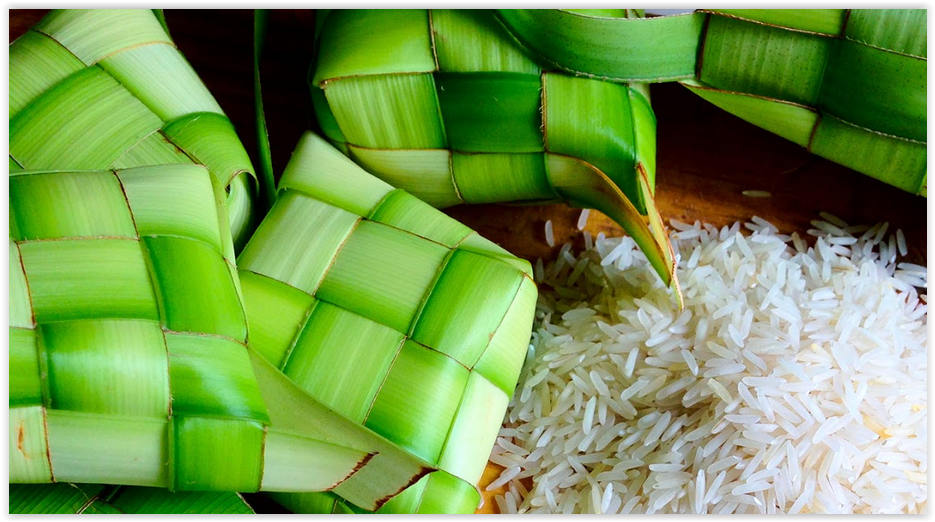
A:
{"points": [[793, 381]]}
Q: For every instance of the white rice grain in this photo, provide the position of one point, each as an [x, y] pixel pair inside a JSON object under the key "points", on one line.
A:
{"points": [[583, 219], [793, 381]]}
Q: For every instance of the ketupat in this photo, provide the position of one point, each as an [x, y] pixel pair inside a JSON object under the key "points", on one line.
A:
{"points": [[97, 499], [391, 313], [108, 89], [442, 104], [847, 84]]}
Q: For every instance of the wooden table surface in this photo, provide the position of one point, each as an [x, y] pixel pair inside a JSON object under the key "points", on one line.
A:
{"points": [[706, 158]]}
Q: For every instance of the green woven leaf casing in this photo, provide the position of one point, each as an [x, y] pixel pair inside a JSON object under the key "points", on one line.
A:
{"points": [[848, 84], [98, 499], [863, 72], [392, 314], [118, 358], [447, 107], [108, 89]]}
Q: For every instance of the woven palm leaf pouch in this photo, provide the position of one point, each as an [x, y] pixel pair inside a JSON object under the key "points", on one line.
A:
{"points": [[394, 315], [108, 89], [847, 84], [442, 103]]}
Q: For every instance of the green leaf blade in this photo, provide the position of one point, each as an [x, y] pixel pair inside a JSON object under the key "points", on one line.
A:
{"points": [[878, 90], [619, 49]]}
